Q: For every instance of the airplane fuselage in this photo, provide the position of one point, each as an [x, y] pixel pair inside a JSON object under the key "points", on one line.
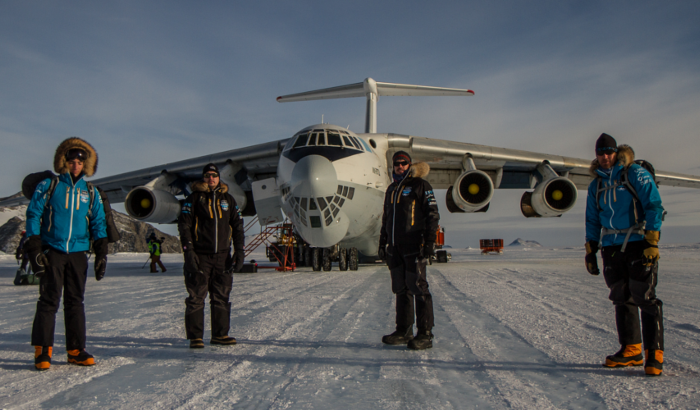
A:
{"points": [[332, 184]]}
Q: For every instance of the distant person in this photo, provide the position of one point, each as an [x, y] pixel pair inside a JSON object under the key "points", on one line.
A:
{"points": [[154, 249], [59, 231], [628, 226], [409, 228], [210, 219]]}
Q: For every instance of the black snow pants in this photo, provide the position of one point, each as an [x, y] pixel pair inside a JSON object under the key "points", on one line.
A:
{"points": [[67, 273], [633, 288], [218, 284], [409, 283]]}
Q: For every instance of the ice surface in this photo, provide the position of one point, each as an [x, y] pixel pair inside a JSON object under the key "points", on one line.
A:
{"points": [[526, 329]]}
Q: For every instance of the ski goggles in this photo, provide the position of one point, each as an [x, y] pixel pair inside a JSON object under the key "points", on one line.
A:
{"points": [[76, 153], [605, 150]]}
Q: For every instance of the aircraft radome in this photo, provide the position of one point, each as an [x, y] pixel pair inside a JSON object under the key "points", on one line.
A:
{"points": [[330, 182]]}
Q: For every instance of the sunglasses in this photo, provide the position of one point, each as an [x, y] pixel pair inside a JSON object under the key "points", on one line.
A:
{"points": [[211, 175], [75, 153], [605, 150], [400, 163]]}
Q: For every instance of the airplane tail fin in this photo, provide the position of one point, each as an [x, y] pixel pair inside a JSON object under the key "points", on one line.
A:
{"points": [[372, 90]]}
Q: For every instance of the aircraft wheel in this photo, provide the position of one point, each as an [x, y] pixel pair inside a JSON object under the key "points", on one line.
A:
{"points": [[300, 261], [342, 259], [316, 259], [352, 258], [308, 256], [326, 259]]}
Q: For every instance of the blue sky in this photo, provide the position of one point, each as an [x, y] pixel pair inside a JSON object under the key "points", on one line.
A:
{"points": [[148, 82]]}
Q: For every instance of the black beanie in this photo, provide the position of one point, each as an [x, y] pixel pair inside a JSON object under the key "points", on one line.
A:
{"points": [[402, 155], [605, 142], [210, 168]]}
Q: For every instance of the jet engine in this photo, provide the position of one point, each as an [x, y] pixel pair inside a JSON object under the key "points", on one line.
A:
{"points": [[471, 192], [152, 205], [551, 197]]}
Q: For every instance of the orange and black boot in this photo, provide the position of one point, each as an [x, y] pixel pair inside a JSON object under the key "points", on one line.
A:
{"points": [[629, 355], [42, 357], [655, 362], [80, 357]]}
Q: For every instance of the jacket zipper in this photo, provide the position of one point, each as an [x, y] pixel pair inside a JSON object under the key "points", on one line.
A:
{"points": [[413, 211], [70, 229], [196, 228], [395, 197]]}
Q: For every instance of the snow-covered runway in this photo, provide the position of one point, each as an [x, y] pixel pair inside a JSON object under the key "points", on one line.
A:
{"points": [[527, 329]]}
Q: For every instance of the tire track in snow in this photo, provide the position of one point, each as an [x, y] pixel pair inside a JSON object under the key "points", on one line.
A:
{"points": [[501, 349]]}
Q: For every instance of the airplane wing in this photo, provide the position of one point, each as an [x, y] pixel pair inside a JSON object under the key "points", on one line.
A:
{"points": [[508, 168], [250, 164]]}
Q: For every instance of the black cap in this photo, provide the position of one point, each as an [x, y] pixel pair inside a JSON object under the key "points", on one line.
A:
{"points": [[605, 143], [210, 168], [401, 155]]}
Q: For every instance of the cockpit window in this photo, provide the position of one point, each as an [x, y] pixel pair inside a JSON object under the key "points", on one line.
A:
{"points": [[321, 139], [334, 138], [301, 141], [312, 140], [347, 141], [357, 144]]}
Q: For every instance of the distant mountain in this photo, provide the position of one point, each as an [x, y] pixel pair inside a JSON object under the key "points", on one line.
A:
{"points": [[525, 244], [133, 233]]}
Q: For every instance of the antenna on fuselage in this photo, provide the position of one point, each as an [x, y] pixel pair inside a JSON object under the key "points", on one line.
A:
{"points": [[372, 90]]}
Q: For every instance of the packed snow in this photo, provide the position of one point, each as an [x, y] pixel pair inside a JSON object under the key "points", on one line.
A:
{"points": [[525, 329]]}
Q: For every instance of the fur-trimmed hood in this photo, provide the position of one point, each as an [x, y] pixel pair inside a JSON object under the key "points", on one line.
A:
{"points": [[625, 158], [420, 170], [59, 160], [201, 186]]}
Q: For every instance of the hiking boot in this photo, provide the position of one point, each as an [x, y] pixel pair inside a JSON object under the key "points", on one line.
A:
{"points": [[42, 357], [399, 337], [223, 340], [423, 340], [629, 355], [80, 357], [196, 344], [655, 362]]}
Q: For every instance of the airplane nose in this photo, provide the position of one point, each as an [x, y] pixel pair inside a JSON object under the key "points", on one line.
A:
{"points": [[314, 176]]}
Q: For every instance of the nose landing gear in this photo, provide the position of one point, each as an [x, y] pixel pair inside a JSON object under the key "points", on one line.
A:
{"points": [[323, 258]]}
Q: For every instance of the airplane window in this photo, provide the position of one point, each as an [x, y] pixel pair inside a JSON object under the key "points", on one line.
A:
{"points": [[335, 212], [303, 203], [351, 193], [296, 200], [357, 144], [315, 221], [301, 141], [365, 144], [327, 213], [342, 201], [328, 221], [345, 191], [312, 204], [329, 199], [334, 138], [304, 222], [303, 214], [312, 140], [347, 141], [321, 139], [322, 203], [336, 199], [340, 189]]}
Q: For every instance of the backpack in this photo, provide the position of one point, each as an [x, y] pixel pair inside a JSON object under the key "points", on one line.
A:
{"points": [[31, 181], [624, 180]]}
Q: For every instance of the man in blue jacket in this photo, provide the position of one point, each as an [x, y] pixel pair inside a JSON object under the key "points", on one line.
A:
{"points": [[623, 215], [60, 223]]}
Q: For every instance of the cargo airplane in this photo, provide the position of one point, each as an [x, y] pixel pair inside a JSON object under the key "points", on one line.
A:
{"points": [[330, 182]]}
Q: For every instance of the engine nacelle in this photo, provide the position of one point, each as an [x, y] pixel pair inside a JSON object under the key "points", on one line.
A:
{"points": [[472, 192], [152, 205], [552, 197]]}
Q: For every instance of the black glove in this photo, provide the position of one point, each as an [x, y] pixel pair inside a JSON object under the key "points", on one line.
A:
{"points": [[101, 249], [428, 250], [591, 258], [228, 265], [191, 262], [238, 260], [37, 258], [381, 252]]}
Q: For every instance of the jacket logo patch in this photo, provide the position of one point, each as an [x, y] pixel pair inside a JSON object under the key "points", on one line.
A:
{"points": [[406, 191], [84, 197], [224, 205]]}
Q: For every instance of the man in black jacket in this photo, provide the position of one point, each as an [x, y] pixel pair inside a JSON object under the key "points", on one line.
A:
{"points": [[409, 228], [210, 219]]}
